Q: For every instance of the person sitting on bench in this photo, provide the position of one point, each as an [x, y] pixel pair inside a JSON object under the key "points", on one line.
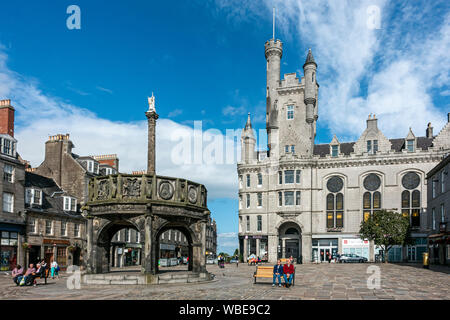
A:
{"points": [[28, 274], [288, 271], [277, 272], [38, 273], [17, 274]]}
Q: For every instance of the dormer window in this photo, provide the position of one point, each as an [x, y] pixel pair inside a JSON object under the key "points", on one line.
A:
{"points": [[334, 151], [92, 166], [290, 112], [33, 196], [410, 145], [70, 204], [7, 147]]}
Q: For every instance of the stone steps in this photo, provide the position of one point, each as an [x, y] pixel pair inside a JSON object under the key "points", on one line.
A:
{"points": [[124, 279]]}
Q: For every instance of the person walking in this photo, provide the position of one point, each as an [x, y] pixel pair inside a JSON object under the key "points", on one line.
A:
{"points": [[288, 271], [54, 269], [277, 273]]}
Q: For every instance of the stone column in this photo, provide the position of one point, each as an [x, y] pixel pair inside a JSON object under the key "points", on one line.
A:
{"points": [[148, 265], [21, 252], [245, 249], [152, 116], [257, 247], [283, 249], [90, 261], [307, 248]]}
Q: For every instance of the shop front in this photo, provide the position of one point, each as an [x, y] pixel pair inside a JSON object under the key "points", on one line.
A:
{"points": [[322, 247], [439, 248], [8, 250], [132, 255], [356, 246], [56, 248]]}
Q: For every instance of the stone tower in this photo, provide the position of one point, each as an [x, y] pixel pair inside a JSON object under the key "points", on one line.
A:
{"points": [[152, 116], [273, 53], [309, 69]]}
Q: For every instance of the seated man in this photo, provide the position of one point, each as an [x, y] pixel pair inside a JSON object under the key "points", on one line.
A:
{"points": [[288, 271], [38, 273], [277, 272], [28, 274], [17, 274]]}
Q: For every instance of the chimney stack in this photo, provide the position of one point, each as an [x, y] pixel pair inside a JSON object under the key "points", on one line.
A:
{"points": [[6, 117]]}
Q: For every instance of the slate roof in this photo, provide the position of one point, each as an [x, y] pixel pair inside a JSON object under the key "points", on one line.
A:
{"points": [[50, 205], [397, 145]]}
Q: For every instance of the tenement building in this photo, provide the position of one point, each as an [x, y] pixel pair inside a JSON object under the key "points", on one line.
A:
{"points": [[304, 200], [56, 230], [12, 216], [439, 209]]}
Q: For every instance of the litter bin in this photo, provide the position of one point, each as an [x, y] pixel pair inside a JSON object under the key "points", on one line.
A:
{"points": [[426, 262]]}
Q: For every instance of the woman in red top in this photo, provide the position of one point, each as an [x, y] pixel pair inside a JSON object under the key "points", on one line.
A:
{"points": [[288, 272]]}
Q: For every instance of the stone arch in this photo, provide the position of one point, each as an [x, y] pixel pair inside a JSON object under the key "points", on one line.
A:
{"points": [[186, 231], [289, 233], [104, 230]]}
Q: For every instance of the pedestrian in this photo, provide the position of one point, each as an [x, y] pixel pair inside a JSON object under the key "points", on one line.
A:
{"points": [[288, 271], [277, 273], [329, 257], [54, 269], [17, 274], [291, 258]]}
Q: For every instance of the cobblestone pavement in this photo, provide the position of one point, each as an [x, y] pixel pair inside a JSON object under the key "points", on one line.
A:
{"points": [[320, 282]]}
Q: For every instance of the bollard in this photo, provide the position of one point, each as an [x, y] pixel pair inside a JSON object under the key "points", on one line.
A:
{"points": [[426, 262]]}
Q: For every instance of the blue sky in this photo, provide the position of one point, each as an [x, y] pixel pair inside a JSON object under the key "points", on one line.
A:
{"points": [[204, 60]]}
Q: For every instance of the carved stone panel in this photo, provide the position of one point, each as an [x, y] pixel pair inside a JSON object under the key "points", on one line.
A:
{"points": [[192, 194], [131, 188], [165, 190], [103, 190]]}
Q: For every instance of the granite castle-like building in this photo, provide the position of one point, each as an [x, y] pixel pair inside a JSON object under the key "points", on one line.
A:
{"points": [[304, 199]]}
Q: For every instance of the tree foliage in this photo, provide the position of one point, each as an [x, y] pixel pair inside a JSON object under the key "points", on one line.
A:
{"points": [[386, 229]]}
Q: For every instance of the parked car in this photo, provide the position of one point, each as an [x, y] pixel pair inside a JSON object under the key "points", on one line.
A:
{"points": [[350, 257], [234, 260], [211, 261]]}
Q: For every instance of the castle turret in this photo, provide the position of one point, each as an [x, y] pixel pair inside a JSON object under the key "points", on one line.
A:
{"points": [[248, 142], [274, 53], [309, 69]]}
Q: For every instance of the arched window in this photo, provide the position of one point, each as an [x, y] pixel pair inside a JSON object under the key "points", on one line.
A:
{"points": [[372, 197], [411, 198], [335, 203]]}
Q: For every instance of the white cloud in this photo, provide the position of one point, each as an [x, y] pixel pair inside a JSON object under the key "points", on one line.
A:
{"points": [[400, 64], [39, 115], [227, 242]]}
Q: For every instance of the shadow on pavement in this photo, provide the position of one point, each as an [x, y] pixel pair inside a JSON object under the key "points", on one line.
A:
{"points": [[433, 267]]}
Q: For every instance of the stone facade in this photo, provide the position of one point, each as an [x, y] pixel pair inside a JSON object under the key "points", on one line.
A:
{"points": [[12, 217], [304, 199], [439, 212], [53, 231]]}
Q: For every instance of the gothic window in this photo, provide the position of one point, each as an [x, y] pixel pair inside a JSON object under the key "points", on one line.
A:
{"points": [[335, 203], [290, 112], [289, 198], [411, 206], [371, 198], [280, 177], [286, 149], [259, 179], [372, 146], [292, 149], [259, 199], [280, 199], [248, 181], [240, 181], [248, 223], [411, 180], [248, 200], [297, 198]]}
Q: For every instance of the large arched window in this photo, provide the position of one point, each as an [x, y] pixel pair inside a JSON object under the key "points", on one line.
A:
{"points": [[411, 198], [335, 203], [372, 197]]}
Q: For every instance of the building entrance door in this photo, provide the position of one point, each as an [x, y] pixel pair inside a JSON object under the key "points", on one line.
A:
{"points": [[324, 252], [411, 253]]}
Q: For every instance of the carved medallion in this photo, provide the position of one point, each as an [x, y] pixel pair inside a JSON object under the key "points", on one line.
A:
{"points": [[372, 182], [192, 194], [411, 180], [165, 190], [335, 184]]}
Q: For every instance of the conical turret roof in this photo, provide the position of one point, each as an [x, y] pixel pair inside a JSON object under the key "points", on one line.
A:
{"points": [[309, 59]]}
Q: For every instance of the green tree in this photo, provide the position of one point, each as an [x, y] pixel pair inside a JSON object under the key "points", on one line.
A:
{"points": [[386, 229], [236, 253]]}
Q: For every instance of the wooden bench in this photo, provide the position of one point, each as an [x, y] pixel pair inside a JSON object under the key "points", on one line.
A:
{"points": [[44, 276], [267, 272]]}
